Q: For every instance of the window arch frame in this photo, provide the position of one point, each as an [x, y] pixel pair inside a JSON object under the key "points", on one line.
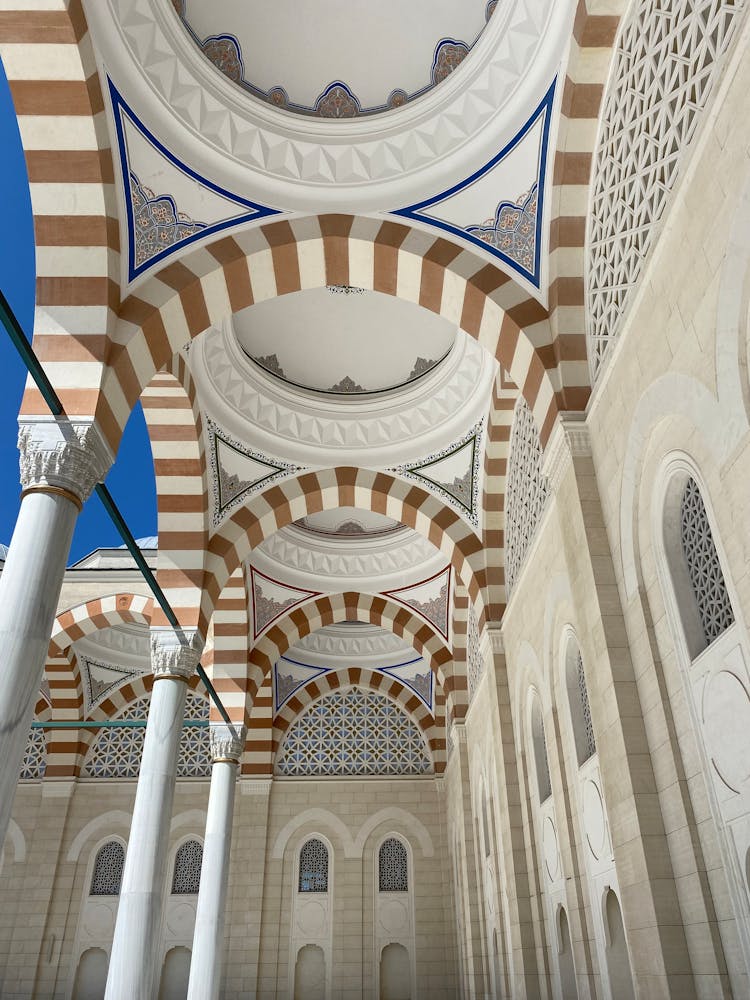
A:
{"points": [[179, 844], [570, 655], [538, 736]]}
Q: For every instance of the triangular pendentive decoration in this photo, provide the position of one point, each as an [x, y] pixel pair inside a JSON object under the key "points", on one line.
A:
{"points": [[271, 599], [289, 676], [500, 207], [430, 599], [238, 472], [417, 676], [167, 204], [453, 473], [99, 679]]}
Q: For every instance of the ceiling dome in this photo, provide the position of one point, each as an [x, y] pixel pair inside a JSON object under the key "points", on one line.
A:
{"points": [[342, 341], [339, 60]]}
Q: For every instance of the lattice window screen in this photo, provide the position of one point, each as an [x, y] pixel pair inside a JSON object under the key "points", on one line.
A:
{"points": [[186, 878], [107, 877], [474, 659], [353, 732], [586, 710], [525, 491], [313, 867], [666, 65], [34, 762], [116, 753], [706, 577], [393, 866]]}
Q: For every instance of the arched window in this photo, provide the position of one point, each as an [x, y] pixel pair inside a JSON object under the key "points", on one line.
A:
{"points": [[703, 566], [187, 868], [618, 960], [580, 710], [544, 782], [393, 866], [107, 876], [313, 867]]}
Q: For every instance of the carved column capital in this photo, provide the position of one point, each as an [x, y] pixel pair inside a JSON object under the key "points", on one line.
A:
{"points": [[568, 440], [227, 742], [175, 652], [58, 453]]}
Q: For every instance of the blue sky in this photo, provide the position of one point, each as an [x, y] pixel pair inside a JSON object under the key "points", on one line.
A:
{"points": [[131, 480]]}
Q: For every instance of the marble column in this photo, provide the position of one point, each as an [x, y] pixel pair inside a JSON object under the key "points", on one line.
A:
{"points": [[136, 948], [227, 743], [60, 463]]}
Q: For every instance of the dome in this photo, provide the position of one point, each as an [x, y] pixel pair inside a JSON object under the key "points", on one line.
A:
{"points": [[339, 61]]}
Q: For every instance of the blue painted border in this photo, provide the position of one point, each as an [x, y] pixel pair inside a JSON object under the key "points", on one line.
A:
{"points": [[120, 107], [413, 211], [408, 684], [318, 671]]}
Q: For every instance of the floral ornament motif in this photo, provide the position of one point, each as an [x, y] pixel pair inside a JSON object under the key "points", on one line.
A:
{"points": [[422, 684], [278, 97], [270, 363], [337, 101], [490, 10], [434, 610], [344, 289], [513, 230], [397, 98], [449, 54], [225, 53], [285, 685], [157, 222], [347, 385], [266, 608], [421, 367]]}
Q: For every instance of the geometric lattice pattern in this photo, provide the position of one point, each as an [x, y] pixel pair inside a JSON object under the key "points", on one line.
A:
{"points": [[393, 867], [108, 866], [545, 780], [34, 761], [586, 711], [526, 490], [116, 752], [186, 879], [474, 659], [704, 568], [667, 62], [353, 732], [313, 867]]}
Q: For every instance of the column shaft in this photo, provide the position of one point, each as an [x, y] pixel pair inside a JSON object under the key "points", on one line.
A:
{"points": [[136, 948], [29, 591], [208, 941]]}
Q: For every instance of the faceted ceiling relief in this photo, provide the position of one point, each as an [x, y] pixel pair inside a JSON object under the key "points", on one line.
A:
{"points": [[354, 344], [339, 60], [167, 204]]}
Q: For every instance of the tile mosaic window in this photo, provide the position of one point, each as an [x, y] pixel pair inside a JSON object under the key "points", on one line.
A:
{"points": [[353, 732], [186, 878], [704, 568], [313, 867], [108, 867], [393, 866]]}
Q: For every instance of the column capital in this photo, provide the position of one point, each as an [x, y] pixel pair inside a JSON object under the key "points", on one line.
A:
{"points": [[227, 742], [569, 439], [62, 453], [175, 652]]}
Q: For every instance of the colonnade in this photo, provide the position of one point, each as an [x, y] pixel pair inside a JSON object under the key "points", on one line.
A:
{"points": [[61, 461]]}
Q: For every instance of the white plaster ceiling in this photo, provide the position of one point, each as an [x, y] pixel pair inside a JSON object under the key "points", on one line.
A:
{"points": [[348, 523], [320, 429], [374, 562], [290, 51], [348, 343]]}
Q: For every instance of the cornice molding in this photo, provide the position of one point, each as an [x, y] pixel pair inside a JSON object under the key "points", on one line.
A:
{"points": [[569, 439]]}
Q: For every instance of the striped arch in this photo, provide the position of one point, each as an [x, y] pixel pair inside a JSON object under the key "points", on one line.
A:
{"points": [[187, 297], [433, 728], [504, 395], [591, 53], [342, 487], [62, 671], [352, 606], [49, 59], [175, 430], [228, 656]]}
